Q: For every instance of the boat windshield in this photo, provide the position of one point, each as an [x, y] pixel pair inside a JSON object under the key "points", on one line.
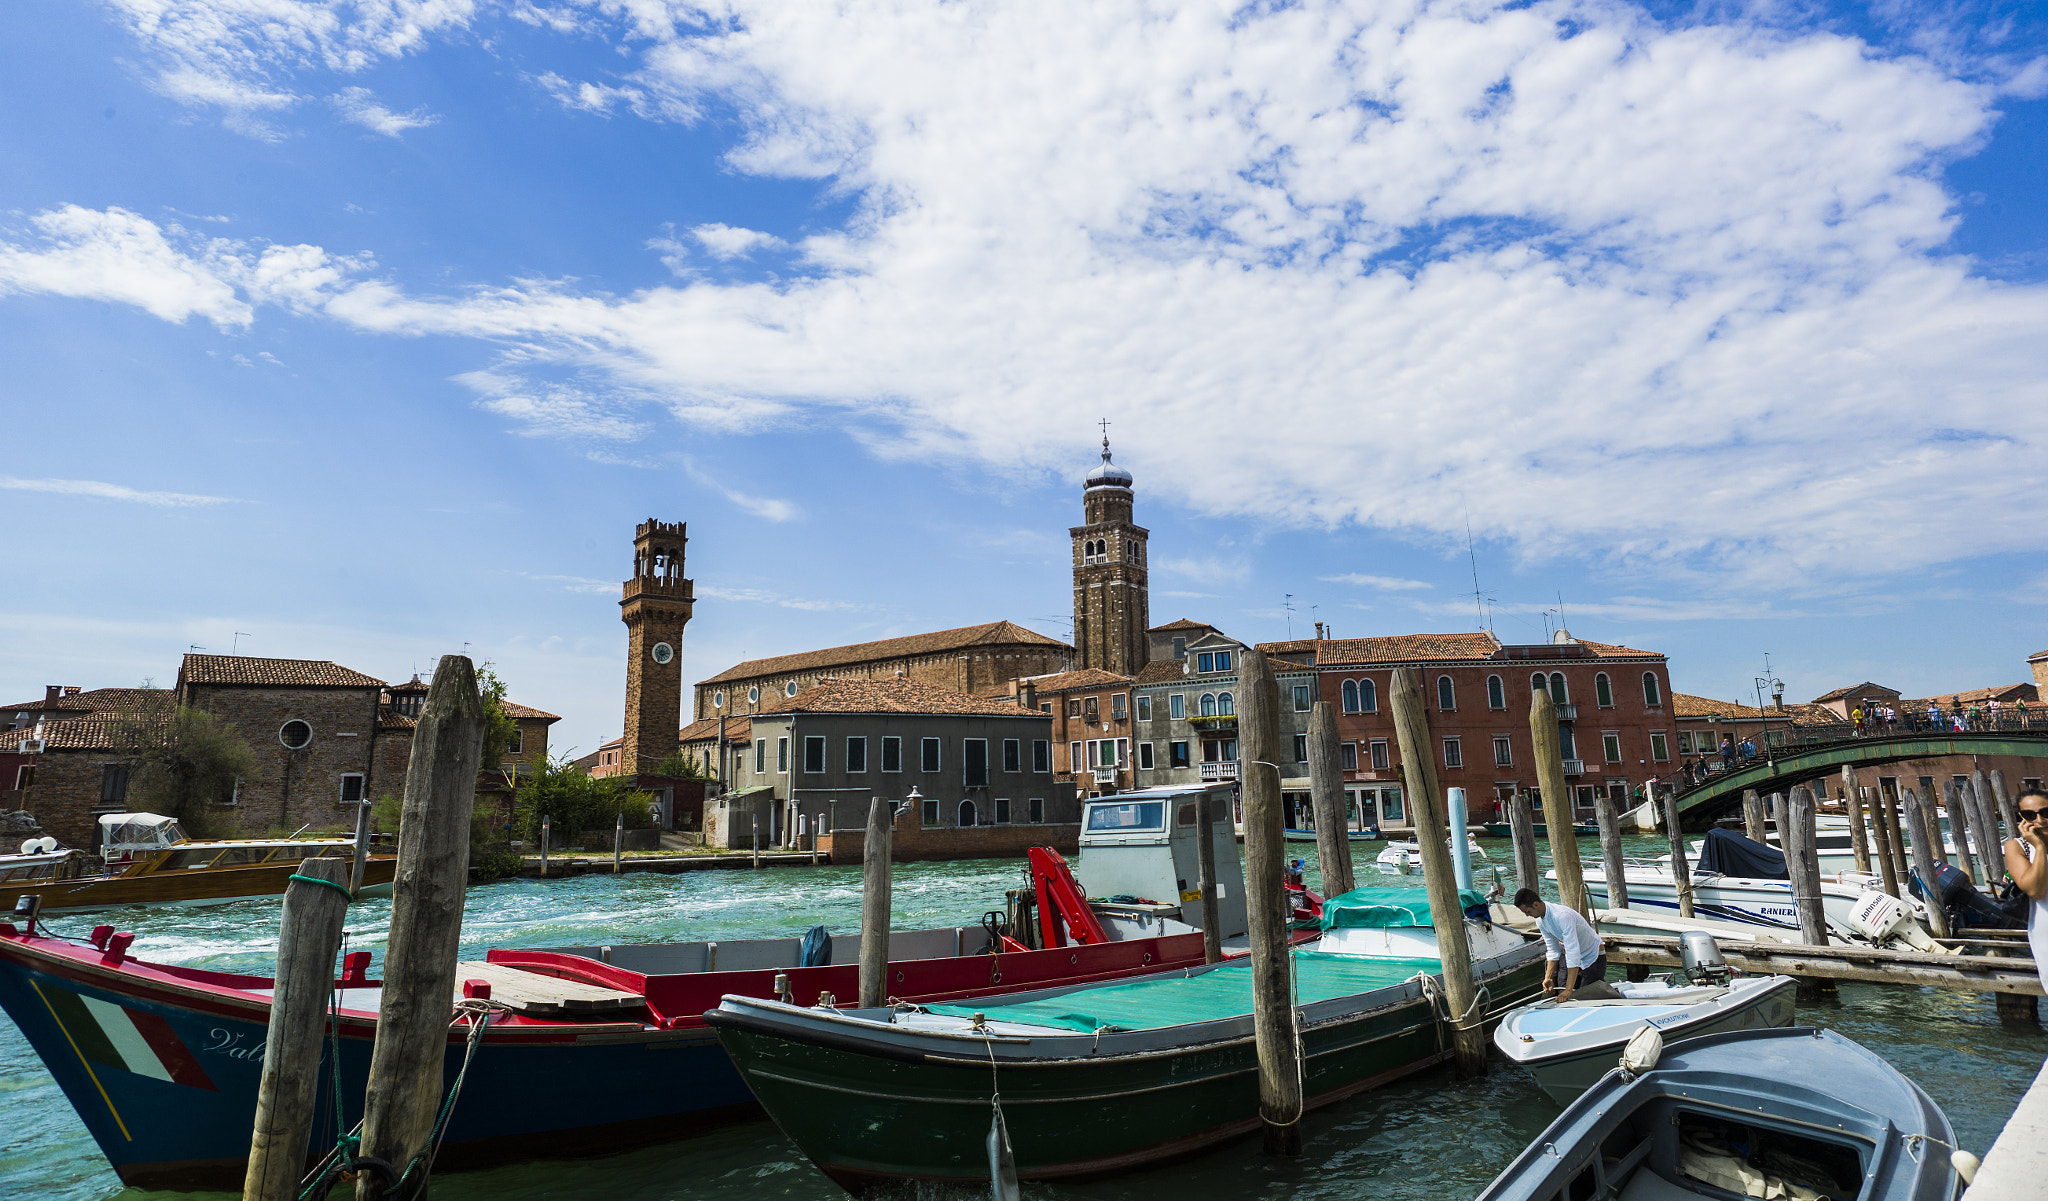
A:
{"points": [[1127, 817]]}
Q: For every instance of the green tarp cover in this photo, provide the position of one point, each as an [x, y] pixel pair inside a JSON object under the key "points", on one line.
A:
{"points": [[1381, 908], [1159, 1001]]}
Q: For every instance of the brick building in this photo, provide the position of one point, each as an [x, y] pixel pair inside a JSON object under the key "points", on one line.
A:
{"points": [[1091, 712], [978, 660], [1111, 581]]}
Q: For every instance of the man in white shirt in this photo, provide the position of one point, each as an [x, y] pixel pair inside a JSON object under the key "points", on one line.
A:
{"points": [[1568, 941]]}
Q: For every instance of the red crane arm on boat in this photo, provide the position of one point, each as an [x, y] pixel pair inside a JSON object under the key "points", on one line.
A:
{"points": [[1059, 892]]}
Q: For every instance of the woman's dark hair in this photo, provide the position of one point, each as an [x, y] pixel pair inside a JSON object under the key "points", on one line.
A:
{"points": [[2027, 792], [1527, 896]]}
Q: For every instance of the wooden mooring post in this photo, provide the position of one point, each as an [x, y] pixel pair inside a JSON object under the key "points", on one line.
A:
{"points": [[1681, 866], [545, 829], [1273, 1016], [1557, 805], [1425, 804], [1326, 796], [285, 1093], [1893, 816], [1917, 817], [1968, 849], [1936, 845], [1880, 832], [426, 924], [1205, 873], [1852, 804], [1522, 828], [1610, 851], [362, 859], [874, 903], [1755, 826], [1796, 826], [1985, 806], [2008, 807], [618, 843]]}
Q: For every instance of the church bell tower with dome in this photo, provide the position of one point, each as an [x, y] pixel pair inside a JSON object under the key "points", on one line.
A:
{"points": [[1112, 598]]}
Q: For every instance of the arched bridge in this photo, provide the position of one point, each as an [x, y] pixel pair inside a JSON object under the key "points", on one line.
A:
{"points": [[1807, 763]]}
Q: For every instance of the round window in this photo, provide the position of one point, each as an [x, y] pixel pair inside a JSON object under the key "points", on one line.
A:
{"points": [[663, 652], [754, 695], [718, 700], [789, 689], [295, 735]]}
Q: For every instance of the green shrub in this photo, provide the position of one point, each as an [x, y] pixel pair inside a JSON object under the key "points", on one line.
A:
{"points": [[575, 801]]}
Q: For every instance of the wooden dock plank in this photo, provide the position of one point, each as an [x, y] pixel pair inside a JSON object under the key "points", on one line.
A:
{"points": [[535, 993], [1971, 973]]}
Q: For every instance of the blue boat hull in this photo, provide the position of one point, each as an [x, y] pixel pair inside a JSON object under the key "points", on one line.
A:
{"points": [[168, 1090]]}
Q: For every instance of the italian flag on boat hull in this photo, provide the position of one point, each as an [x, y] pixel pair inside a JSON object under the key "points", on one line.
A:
{"points": [[130, 1039]]}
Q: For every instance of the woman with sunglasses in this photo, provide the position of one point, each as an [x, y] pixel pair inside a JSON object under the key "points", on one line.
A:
{"points": [[2026, 860]]}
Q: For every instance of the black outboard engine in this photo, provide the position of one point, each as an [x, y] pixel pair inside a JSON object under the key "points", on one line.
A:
{"points": [[1966, 906]]}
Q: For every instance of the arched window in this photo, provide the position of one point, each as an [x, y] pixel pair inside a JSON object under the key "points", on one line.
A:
{"points": [[1557, 692], [1225, 707], [1208, 704], [1603, 692], [1446, 695], [1652, 695], [1496, 693], [1368, 697], [1351, 696], [1537, 683], [967, 813]]}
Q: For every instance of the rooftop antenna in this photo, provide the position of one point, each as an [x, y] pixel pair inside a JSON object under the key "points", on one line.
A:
{"points": [[196, 647], [1560, 611], [1478, 602], [235, 647], [1288, 604]]}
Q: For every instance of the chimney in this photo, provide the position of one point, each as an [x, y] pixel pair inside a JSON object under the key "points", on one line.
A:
{"points": [[50, 694], [72, 690], [1319, 631], [1778, 698], [1027, 695]]}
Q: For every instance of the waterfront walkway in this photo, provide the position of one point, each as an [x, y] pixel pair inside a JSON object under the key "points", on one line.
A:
{"points": [[2016, 1167]]}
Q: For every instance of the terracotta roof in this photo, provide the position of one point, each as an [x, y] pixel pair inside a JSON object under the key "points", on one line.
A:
{"points": [[527, 712], [97, 700], [894, 695], [92, 732], [1407, 648], [1684, 704], [1289, 646], [1068, 681], [995, 633], [737, 729], [387, 720], [1866, 688], [413, 685], [1161, 671], [1607, 650], [277, 673], [1190, 624]]}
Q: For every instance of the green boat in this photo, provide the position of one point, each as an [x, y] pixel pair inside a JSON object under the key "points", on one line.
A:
{"points": [[1101, 1078]]}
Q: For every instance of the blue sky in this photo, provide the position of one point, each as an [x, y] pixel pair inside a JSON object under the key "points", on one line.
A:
{"points": [[369, 331]]}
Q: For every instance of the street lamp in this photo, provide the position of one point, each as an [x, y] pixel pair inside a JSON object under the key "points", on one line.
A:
{"points": [[1777, 688]]}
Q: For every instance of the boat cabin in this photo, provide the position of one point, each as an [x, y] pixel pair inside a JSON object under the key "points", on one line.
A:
{"points": [[1145, 845], [147, 843]]}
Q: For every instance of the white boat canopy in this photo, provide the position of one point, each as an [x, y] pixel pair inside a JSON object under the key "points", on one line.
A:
{"points": [[138, 832]]}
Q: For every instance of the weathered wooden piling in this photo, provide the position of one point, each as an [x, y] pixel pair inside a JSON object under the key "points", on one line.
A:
{"points": [[1918, 817], [1522, 828], [1265, 848], [362, 859], [544, 831], [1987, 819], [1755, 826], [426, 923], [1936, 845], [618, 843], [874, 903], [1326, 795], [2008, 807], [1852, 804], [1557, 808], [290, 1083], [1610, 851], [1960, 821], [1681, 866], [1802, 861], [1205, 872], [1881, 835], [1893, 816], [1418, 767]]}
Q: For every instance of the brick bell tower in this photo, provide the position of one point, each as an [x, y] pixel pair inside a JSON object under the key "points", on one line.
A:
{"points": [[655, 607], [1112, 598]]}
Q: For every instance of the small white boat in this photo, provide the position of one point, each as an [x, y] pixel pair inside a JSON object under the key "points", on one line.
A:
{"points": [[1569, 1045], [1401, 858], [1755, 902]]}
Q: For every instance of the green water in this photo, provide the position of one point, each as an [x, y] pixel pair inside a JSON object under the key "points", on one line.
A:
{"points": [[1430, 1137]]}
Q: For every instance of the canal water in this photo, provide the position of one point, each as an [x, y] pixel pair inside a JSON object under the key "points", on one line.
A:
{"points": [[1430, 1137]]}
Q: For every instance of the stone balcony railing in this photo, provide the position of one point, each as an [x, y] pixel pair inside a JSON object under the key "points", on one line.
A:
{"points": [[1219, 771]]}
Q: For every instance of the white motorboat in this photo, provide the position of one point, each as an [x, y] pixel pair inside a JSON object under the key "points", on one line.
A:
{"points": [[1569, 1045], [1401, 858], [1767, 903]]}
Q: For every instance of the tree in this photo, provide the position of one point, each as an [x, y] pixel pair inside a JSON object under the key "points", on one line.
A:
{"points": [[682, 765], [186, 761], [499, 726], [575, 801]]}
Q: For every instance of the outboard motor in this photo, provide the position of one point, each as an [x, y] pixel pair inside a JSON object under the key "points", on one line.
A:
{"points": [[1966, 906], [1701, 956]]}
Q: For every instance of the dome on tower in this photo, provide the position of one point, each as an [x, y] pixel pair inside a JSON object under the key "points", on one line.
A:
{"points": [[1109, 475]]}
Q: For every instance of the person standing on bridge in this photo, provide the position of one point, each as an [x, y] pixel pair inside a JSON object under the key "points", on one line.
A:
{"points": [[1727, 752], [2026, 860]]}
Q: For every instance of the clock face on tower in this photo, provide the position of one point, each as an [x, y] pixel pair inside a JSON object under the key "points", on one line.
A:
{"points": [[663, 652]]}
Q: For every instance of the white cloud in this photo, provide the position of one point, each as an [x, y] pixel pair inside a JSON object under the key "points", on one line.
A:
{"points": [[561, 410], [767, 508], [360, 106], [1384, 583], [123, 258], [1664, 294], [729, 242], [761, 596], [105, 491]]}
